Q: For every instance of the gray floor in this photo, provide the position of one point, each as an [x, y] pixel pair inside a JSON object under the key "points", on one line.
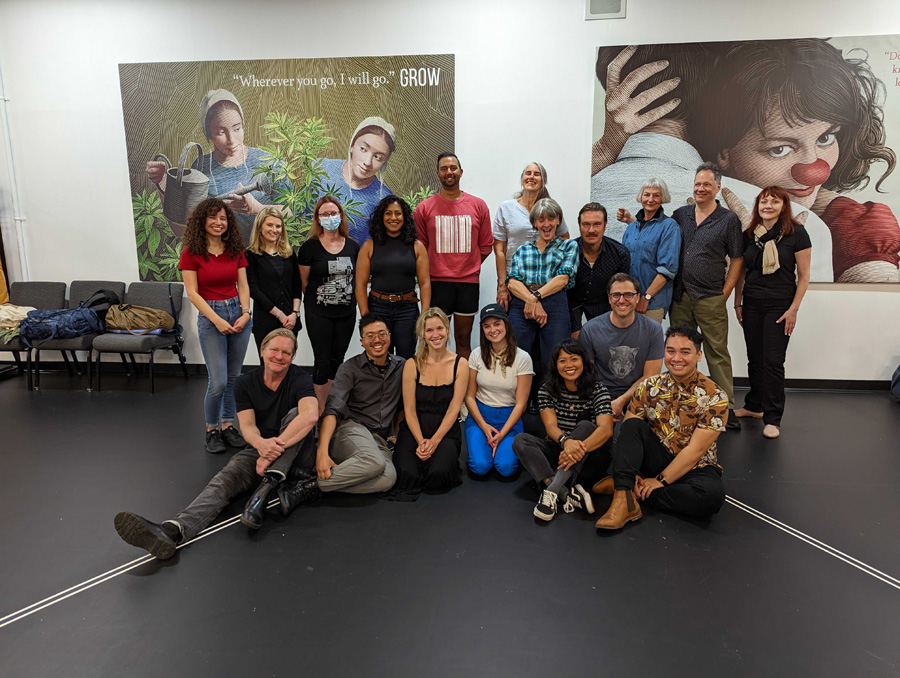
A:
{"points": [[461, 584]]}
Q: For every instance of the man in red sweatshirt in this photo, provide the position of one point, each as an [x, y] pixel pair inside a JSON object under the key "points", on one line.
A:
{"points": [[455, 228]]}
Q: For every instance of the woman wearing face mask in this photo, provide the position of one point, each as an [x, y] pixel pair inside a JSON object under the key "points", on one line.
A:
{"points": [[327, 271], [272, 275], [358, 178], [396, 261], [232, 164]]}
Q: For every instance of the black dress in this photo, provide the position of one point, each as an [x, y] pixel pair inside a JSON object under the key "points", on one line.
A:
{"points": [[440, 472]]}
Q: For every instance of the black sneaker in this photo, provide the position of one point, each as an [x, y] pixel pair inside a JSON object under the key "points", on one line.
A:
{"points": [[545, 509], [214, 444], [233, 437], [578, 498]]}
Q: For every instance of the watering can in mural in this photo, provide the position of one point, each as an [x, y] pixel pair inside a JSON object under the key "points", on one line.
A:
{"points": [[185, 189]]}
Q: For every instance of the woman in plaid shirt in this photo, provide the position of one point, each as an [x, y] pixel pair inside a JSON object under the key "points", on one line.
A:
{"points": [[541, 271]]}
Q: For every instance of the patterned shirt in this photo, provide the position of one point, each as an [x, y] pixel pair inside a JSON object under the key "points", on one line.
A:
{"points": [[571, 408], [589, 291], [673, 411], [703, 250], [530, 266]]}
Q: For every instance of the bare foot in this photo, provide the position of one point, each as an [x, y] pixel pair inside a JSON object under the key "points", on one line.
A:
{"points": [[771, 431], [744, 412]]}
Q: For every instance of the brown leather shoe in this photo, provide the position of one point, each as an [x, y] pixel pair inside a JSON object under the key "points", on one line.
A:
{"points": [[624, 507], [605, 486]]}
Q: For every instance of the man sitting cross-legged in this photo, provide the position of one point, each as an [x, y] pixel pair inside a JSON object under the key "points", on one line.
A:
{"points": [[277, 409], [666, 450]]}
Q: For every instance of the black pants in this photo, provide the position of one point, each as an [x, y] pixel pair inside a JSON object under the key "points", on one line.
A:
{"points": [[766, 350], [638, 451], [330, 338], [238, 476], [265, 323], [540, 455]]}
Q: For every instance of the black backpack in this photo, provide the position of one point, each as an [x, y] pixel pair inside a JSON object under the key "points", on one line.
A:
{"points": [[100, 301]]}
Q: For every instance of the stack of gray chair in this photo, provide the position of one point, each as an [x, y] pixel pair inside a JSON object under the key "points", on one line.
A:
{"points": [[79, 291], [48, 295], [153, 295]]}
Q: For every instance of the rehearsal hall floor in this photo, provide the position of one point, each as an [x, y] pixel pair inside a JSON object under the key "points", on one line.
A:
{"points": [[798, 575]]}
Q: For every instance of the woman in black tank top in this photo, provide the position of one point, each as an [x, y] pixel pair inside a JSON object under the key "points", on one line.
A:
{"points": [[394, 261], [426, 455]]}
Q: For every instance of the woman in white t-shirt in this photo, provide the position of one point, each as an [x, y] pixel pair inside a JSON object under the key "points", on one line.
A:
{"points": [[499, 382]]}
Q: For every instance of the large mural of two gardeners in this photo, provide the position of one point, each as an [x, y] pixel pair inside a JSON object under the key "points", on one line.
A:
{"points": [[284, 132]]}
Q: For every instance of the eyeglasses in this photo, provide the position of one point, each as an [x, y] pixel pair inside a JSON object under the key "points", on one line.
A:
{"points": [[369, 336], [329, 214], [627, 296]]}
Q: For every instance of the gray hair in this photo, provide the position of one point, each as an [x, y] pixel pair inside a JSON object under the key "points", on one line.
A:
{"points": [[545, 207], [656, 183], [710, 167], [543, 193]]}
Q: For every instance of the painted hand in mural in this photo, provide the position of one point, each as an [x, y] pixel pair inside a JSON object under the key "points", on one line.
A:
{"points": [[623, 117], [245, 204]]}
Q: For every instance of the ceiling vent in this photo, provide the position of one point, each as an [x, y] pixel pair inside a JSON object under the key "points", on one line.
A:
{"points": [[604, 9]]}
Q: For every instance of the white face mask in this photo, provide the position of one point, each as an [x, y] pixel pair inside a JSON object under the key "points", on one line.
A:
{"points": [[331, 223]]}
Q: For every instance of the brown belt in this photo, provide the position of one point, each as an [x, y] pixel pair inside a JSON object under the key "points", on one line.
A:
{"points": [[403, 296]]}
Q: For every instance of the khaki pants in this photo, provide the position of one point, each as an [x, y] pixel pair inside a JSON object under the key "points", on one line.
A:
{"points": [[711, 316], [656, 314]]}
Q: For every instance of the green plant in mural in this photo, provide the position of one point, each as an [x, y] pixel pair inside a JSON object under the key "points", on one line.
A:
{"points": [[158, 249], [415, 197], [294, 146]]}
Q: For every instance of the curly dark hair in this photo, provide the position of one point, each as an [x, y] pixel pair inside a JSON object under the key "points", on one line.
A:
{"points": [[194, 239], [805, 80], [555, 384], [376, 221]]}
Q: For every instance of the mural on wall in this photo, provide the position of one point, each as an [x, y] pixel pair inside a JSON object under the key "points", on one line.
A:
{"points": [[283, 132], [818, 117]]}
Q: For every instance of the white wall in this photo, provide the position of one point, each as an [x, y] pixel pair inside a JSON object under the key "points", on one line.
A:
{"points": [[524, 86]]}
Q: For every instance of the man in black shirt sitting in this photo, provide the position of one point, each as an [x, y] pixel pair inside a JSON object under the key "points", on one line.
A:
{"points": [[277, 410]]}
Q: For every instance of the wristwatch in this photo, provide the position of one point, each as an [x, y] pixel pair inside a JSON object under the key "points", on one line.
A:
{"points": [[247, 311], [648, 296], [537, 294], [662, 480], [562, 439]]}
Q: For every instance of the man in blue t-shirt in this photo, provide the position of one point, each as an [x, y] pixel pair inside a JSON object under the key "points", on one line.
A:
{"points": [[277, 409], [625, 346]]}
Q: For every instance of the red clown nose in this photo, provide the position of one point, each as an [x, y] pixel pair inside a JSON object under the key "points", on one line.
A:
{"points": [[813, 174]]}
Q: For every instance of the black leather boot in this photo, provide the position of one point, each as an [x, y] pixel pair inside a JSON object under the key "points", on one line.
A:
{"points": [[255, 510], [292, 495]]}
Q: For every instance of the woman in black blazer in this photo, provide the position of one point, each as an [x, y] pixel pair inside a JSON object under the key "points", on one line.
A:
{"points": [[273, 276]]}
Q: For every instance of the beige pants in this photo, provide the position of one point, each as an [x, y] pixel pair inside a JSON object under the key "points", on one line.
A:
{"points": [[656, 314]]}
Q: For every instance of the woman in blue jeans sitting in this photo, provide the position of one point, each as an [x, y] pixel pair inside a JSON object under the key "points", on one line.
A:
{"points": [[540, 273], [214, 270], [394, 260], [500, 377]]}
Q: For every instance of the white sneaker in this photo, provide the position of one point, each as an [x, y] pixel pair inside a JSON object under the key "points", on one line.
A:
{"points": [[546, 507], [578, 498]]}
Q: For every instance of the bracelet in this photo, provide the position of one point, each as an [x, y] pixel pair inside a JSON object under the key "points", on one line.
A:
{"points": [[562, 439], [296, 311], [738, 305]]}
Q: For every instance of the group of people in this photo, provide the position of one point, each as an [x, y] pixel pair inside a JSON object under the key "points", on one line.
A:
{"points": [[387, 420]]}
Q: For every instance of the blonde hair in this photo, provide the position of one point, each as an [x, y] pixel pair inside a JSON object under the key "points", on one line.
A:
{"points": [[427, 314], [279, 332], [284, 247]]}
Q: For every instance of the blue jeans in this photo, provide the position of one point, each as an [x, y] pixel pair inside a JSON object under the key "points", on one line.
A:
{"points": [[529, 331], [400, 317], [481, 456], [224, 357]]}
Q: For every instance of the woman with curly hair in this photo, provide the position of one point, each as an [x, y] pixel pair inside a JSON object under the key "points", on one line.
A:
{"points": [[327, 269], [798, 114], [394, 260], [214, 269]]}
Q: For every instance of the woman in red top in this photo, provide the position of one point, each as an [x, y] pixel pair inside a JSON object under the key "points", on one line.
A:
{"points": [[214, 269]]}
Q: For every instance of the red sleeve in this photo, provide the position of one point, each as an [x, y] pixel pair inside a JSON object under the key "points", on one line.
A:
{"points": [[485, 233], [861, 232], [420, 218], [242, 260], [187, 262]]}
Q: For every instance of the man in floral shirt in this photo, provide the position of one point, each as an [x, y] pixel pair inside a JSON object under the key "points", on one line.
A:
{"points": [[666, 450]]}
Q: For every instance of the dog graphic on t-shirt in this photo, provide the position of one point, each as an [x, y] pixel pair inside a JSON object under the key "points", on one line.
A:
{"points": [[622, 360]]}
